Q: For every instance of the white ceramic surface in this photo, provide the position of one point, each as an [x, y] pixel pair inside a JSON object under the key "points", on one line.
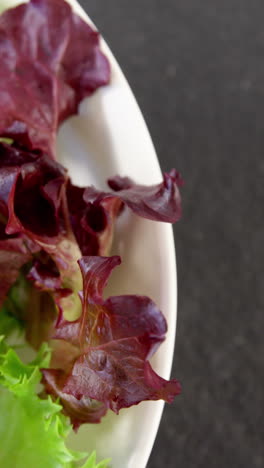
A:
{"points": [[109, 137]]}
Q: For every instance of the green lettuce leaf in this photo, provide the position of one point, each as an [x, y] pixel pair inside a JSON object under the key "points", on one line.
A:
{"points": [[91, 462], [33, 431], [12, 310], [8, 323]]}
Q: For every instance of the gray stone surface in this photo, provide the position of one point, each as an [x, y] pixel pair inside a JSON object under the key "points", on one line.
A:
{"points": [[197, 69]]}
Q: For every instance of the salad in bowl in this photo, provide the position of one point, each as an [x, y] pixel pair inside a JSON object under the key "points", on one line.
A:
{"points": [[87, 259]]}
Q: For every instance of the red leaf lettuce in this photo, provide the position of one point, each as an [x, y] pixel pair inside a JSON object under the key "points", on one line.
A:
{"points": [[110, 345], [50, 60]]}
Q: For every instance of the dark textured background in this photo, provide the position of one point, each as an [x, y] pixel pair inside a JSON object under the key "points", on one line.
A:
{"points": [[197, 70]]}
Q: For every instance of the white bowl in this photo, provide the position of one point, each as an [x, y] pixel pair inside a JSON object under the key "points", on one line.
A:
{"points": [[110, 137]]}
